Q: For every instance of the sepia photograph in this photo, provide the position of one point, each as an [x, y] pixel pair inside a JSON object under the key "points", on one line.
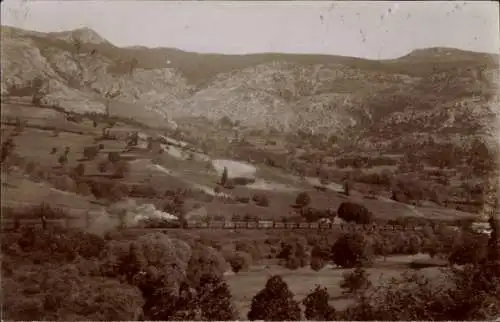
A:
{"points": [[250, 160]]}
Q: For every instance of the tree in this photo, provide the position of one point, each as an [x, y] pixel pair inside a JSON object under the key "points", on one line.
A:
{"points": [[133, 139], [156, 264], [214, 299], [63, 293], [114, 157], [90, 152], [204, 260], [355, 281], [224, 177], [77, 44], [37, 85], [352, 250], [133, 65], [347, 186], [8, 147], [353, 212], [469, 249], [121, 169], [319, 257], [240, 261], [63, 159], [261, 200], [302, 200], [317, 306], [79, 170], [293, 253], [274, 303]]}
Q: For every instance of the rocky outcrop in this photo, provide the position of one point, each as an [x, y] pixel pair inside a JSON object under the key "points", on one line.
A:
{"points": [[441, 91]]}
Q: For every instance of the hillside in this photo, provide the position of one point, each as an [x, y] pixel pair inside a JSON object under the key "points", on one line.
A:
{"points": [[441, 95]]}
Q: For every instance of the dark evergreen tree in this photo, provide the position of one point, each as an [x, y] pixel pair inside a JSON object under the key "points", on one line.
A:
{"points": [[214, 299], [274, 303], [317, 306]]}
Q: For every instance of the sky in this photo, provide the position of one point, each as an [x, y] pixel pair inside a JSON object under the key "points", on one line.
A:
{"points": [[368, 29]]}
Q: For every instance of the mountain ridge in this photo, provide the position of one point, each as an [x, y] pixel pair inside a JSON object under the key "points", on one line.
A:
{"points": [[439, 91]]}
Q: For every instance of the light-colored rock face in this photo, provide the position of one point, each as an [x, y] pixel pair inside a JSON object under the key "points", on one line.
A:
{"points": [[235, 168], [344, 97]]}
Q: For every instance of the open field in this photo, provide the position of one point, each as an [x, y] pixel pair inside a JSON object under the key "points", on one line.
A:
{"points": [[302, 281]]}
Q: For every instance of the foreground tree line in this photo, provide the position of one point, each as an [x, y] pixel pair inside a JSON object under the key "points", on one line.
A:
{"points": [[57, 274]]}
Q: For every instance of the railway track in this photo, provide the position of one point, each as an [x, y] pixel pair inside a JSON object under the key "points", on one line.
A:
{"points": [[262, 225]]}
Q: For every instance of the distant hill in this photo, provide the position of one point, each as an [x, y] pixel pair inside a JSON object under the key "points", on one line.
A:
{"points": [[436, 93]]}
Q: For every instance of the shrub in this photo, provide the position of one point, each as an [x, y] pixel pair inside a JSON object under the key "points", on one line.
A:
{"points": [[79, 170], [319, 257], [293, 254], [243, 199], [114, 157], [274, 303], [8, 147], [250, 247], [261, 200], [355, 281], [122, 168], [63, 182], [31, 167], [90, 152], [242, 181], [62, 160], [240, 261], [469, 249], [83, 188], [303, 199], [353, 212]]}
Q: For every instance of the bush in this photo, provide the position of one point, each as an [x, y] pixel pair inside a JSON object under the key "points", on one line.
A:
{"points": [[243, 199], [242, 181], [114, 157], [90, 152], [274, 303], [240, 261], [353, 212], [8, 147], [293, 253], [469, 249], [103, 166], [319, 257], [302, 200], [83, 188], [313, 214], [355, 281], [63, 182], [261, 200], [79, 170], [122, 168]]}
